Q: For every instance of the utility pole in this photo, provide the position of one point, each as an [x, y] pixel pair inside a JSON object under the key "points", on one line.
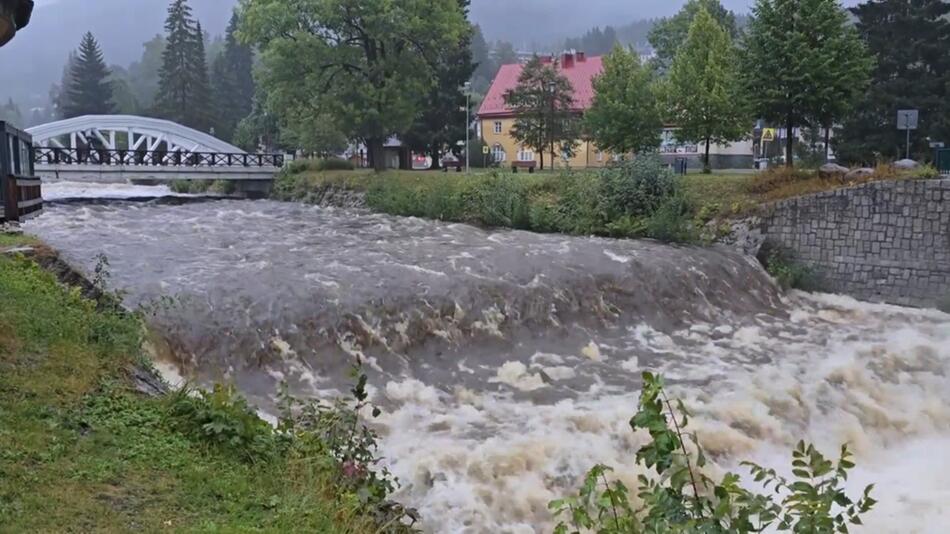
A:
{"points": [[468, 126]]}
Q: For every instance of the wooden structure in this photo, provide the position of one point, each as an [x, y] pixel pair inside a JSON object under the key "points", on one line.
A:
{"points": [[21, 194]]}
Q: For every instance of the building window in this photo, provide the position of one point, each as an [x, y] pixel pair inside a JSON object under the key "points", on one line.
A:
{"points": [[525, 154], [498, 153], [497, 127], [600, 156]]}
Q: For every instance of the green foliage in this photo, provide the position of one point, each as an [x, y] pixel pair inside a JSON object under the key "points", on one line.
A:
{"points": [[625, 116], [668, 35], [705, 97], [89, 91], [637, 188], [789, 273], [802, 63], [221, 418], [232, 83], [672, 222], [363, 68], [335, 164], [184, 94], [542, 102], [680, 498], [912, 71]]}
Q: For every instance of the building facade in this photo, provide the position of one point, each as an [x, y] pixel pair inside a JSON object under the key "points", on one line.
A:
{"points": [[495, 121]]}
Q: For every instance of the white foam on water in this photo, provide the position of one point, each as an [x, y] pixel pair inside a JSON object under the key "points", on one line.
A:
{"points": [[114, 191], [876, 377]]}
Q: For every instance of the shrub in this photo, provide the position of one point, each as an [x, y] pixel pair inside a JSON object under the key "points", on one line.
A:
{"points": [[223, 187], [636, 188], [500, 199], [781, 265], [672, 222], [681, 498], [335, 164]]}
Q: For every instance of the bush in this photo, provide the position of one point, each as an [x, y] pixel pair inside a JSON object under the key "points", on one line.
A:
{"points": [[781, 265], [636, 188], [683, 499], [500, 200], [335, 164], [672, 222]]}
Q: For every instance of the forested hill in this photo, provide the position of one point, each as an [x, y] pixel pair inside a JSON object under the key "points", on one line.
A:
{"points": [[35, 59]]}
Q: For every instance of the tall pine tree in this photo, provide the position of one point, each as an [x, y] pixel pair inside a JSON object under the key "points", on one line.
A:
{"points": [[184, 95], [233, 82], [911, 39], [89, 91]]}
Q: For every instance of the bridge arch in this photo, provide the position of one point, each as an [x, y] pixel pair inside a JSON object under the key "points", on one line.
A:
{"points": [[127, 132]]}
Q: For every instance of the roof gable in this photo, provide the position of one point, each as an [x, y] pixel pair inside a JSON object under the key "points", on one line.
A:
{"points": [[580, 73]]}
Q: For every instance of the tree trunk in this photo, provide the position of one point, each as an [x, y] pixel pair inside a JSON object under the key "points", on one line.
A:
{"points": [[790, 141], [436, 163], [707, 168], [377, 159], [827, 142], [541, 155], [405, 158]]}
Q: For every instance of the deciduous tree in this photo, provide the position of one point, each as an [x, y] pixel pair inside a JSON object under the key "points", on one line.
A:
{"points": [[795, 58], [89, 91], [543, 104], [705, 95], [669, 34], [625, 116], [367, 64]]}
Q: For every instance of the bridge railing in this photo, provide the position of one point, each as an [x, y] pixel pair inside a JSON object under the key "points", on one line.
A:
{"points": [[20, 193], [151, 158]]}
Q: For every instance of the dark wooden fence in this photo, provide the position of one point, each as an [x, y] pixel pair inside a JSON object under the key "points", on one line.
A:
{"points": [[20, 191], [152, 158]]}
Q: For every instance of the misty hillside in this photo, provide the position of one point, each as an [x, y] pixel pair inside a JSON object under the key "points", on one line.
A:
{"points": [[35, 59]]}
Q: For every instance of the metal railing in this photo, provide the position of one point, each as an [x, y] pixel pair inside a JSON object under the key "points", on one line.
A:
{"points": [[151, 158], [21, 193]]}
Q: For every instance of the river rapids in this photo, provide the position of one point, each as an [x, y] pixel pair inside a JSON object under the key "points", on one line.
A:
{"points": [[508, 363]]}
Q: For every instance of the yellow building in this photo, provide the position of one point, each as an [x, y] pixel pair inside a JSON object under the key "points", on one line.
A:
{"points": [[496, 119]]}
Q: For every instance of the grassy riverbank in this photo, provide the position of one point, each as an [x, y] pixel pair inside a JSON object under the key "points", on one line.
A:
{"points": [[81, 450], [577, 202]]}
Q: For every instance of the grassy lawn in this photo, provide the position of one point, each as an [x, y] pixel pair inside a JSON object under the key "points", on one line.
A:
{"points": [[81, 451]]}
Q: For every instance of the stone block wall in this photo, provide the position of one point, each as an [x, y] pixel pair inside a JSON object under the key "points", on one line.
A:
{"points": [[879, 242]]}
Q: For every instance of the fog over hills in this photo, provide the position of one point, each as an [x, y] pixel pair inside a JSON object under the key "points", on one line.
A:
{"points": [[35, 59]]}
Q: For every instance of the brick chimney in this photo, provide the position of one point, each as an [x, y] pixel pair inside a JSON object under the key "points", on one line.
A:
{"points": [[546, 59], [567, 61], [581, 57]]}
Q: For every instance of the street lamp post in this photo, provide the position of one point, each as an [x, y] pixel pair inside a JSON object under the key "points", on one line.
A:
{"points": [[468, 125]]}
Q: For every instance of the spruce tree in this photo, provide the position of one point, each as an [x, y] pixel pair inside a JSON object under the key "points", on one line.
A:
{"points": [[796, 55], [705, 97], [233, 83], [89, 91], [668, 34], [911, 40], [184, 93]]}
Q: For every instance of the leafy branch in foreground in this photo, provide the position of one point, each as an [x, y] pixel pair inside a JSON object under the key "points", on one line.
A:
{"points": [[681, 499]]}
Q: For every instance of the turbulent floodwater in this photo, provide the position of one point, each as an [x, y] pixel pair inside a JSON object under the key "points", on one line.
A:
{"points": [[508, 362]]}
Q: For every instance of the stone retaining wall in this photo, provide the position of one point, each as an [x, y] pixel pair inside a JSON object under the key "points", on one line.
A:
{"points": [[880, 242]]}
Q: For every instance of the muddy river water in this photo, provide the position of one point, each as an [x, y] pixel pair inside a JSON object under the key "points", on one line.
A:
{"points": [[507, 363]]}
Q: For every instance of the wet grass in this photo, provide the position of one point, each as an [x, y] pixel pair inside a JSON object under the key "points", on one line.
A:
{"points": [[82, 451]]}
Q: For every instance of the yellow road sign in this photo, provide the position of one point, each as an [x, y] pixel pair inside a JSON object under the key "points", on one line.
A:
{"points": [[768, 135]]}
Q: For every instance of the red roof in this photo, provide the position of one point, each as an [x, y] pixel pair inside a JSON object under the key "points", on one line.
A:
{"points": [[579, 72]]}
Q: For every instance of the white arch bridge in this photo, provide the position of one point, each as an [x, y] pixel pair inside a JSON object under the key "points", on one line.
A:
{"points": [[124, 148]]}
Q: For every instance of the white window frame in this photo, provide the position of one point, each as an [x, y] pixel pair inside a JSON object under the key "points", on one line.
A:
{"points": [[525, 154], [497, 127], [498, 150]]}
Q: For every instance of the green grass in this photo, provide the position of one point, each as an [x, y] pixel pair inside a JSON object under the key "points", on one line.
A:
{"points": [[81, 451]]}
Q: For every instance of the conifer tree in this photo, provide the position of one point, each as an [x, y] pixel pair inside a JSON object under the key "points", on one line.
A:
{"points": [[184, 93], [669, 34], [705, 96], [911, 40], [89, 91], [233, 82]]}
